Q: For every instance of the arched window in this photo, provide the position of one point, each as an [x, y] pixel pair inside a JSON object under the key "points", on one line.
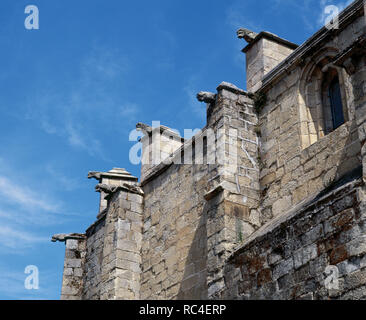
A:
{"points": [[335, 98], [324, 97], [333, 105]]}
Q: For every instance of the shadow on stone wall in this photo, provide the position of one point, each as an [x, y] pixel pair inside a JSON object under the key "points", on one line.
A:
{"points": [[194, 282]]}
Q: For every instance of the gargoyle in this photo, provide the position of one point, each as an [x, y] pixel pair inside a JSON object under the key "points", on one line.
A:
{"points": [[143, 127], [246, 34], [105, 188], [207, 97], [64, 236], [94, 174]]}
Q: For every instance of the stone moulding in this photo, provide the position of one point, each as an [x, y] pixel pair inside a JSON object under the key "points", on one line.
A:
{"points": [[114, 173], [232, 88], [270, 36]]}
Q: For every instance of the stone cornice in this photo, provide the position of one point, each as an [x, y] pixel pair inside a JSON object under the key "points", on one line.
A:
{"points": [[119, 173], [232, 88], [270, 36]]}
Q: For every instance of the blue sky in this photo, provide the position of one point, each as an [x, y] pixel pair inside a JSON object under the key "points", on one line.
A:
{"points": [[71, 92]]}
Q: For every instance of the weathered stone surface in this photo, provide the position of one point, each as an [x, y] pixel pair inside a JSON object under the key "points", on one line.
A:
{"points": [[207, 97], [275, 198], [246, 34]]}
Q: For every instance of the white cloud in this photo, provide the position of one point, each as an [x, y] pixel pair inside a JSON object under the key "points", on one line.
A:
{"points": [[323, 5], [76, 112], [24, 196], [66, 182], [129, 111], [18, 240], [75, 138]]}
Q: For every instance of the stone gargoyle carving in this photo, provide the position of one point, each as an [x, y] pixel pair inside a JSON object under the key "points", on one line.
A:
{"points": [[143, 127], [94, 174], [62, 237], [246, 34], [207, 97], [109, 190], [105, 188]]}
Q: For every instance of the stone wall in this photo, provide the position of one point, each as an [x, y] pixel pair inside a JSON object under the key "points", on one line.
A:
{"points": [[289, 259], [113, 248], [265, 200], [174, 246], [263, 54], [195, 214], [294, 169], [121, 265], [72, 280], [93, 260]]}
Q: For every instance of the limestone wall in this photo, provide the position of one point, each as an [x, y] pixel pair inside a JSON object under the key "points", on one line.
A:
{"points": [[121, 264], [262, 55], [195, 214], [93, 260], [174, 244], [72, 280], [292, 168], [294, 258], [267, 182]]}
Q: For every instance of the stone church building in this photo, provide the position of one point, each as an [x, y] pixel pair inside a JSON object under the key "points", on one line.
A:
{"points": [[268, 201]]}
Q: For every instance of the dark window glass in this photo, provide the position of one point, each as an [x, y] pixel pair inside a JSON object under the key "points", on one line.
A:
{"points": [[336, 103]]}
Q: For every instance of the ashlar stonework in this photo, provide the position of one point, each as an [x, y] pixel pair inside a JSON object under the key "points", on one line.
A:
{"points": [[281, 217]]}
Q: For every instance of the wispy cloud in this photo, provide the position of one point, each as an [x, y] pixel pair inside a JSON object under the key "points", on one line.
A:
{"points": [[129, 111], [25, 209], [24, 197], [88, 104], [66, 182], [17, 239]]}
